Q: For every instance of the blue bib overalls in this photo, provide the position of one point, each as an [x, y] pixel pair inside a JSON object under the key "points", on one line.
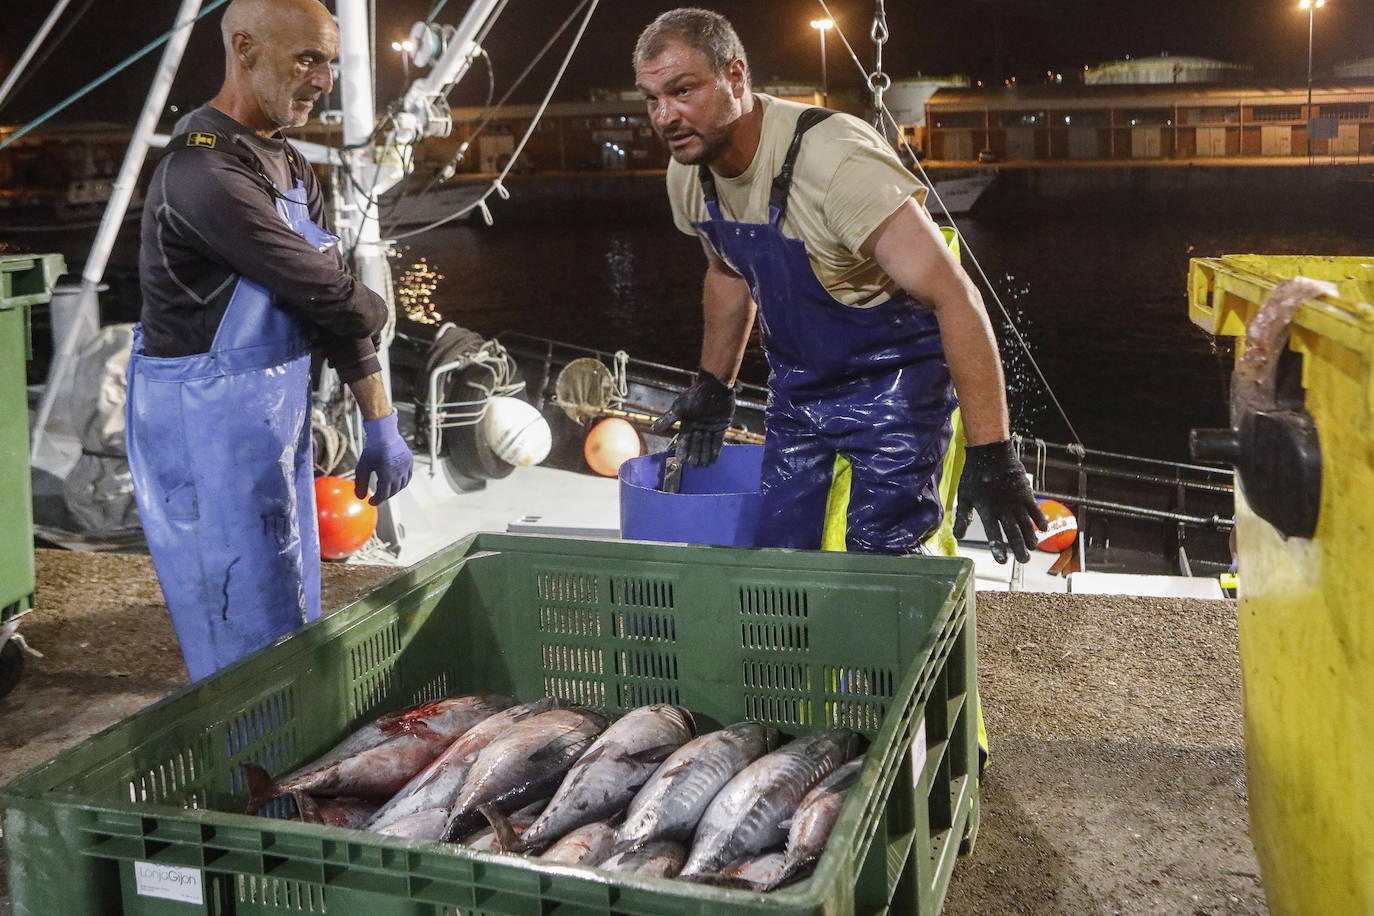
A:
{"points": [[870, 384], [220, 450]]}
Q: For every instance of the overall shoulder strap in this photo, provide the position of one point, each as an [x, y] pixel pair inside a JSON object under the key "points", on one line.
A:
{"points": [[218, 143], [782, 184]]}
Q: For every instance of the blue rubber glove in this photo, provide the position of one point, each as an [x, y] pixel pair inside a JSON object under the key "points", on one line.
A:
{"points": [[385, 454]]}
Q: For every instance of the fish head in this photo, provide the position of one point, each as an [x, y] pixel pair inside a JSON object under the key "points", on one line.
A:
{"points": [[684, 716]]}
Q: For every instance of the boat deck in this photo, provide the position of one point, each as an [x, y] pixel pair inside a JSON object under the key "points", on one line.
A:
{"points": [[1117, 778]]}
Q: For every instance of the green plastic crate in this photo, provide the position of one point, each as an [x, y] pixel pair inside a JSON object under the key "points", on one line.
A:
{"points": [[883, 645]]}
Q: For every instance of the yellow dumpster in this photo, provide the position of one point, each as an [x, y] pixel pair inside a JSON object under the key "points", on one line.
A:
{"points": [[1302, 440]]}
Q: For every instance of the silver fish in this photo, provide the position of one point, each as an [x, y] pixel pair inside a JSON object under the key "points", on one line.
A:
{"points": [[380, 758], [414, 810], [605, 779], [427, 824], [671, 803], [589, 844], [527, 761], [816, 816], [336, 812], [660, 858], [759, 873], [743, 819]]}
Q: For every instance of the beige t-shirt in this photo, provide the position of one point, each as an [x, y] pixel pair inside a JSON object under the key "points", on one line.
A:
{"points": [[846, 182]]}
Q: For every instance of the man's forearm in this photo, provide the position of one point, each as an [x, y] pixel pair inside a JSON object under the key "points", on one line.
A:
{"points": [[909, 247], [729, 315], [976, 367], [371, 396]]}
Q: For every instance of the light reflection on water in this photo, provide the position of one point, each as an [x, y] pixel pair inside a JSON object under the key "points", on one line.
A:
{"points": [[1101, 301]]}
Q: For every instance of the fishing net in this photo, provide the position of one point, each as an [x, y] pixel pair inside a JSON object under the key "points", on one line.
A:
{"points": [[585, 388]]}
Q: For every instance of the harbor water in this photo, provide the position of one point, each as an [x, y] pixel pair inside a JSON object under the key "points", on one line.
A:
{"points": [[1095, 284], [1097, 293]]}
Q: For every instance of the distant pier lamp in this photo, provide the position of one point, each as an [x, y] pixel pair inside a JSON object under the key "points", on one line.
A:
{"points": [[1311, 7], [404, 47], [823, 26]]}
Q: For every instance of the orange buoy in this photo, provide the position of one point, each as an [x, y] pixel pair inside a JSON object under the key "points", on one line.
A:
{"points": [[346, 522], [1063, 527], [610, 444]]}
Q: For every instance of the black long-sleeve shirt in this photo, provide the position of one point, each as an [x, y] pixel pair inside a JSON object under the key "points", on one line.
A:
{"points": [[209, 220]]}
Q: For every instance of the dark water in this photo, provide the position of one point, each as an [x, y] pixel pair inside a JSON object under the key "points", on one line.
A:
{"points": [[1099, 297], [1097, 289]]}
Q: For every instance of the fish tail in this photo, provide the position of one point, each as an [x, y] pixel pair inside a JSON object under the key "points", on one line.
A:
{"points": [[716, 879], [261, 788], [505, 834], [307, 807], [460, 823]]}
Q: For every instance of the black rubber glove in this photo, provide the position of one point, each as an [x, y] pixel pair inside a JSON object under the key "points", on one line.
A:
{"points": [[703, 412], [994, 483]]}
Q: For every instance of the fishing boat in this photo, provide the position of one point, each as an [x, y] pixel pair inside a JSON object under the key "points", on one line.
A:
{"points": [[1145, 525]]}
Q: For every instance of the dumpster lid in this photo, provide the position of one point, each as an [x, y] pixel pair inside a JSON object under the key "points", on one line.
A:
{"points": [[28, 279]]}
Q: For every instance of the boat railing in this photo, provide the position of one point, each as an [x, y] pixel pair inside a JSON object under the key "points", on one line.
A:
{"points": [[1189, 508]]}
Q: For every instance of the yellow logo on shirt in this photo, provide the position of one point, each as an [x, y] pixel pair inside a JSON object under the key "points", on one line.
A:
{"points": [[196, 138]]}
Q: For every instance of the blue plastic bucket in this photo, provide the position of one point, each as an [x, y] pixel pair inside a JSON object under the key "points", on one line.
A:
{"points": [[718, 504]]}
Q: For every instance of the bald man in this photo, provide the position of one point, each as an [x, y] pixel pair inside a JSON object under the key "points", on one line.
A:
{"points": [[242, 281]]}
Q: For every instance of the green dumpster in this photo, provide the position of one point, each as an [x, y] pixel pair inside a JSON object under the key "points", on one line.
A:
{"points": [[25, 280]]}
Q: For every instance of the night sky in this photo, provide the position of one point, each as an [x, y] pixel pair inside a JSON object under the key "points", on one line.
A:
{"points": [[984, 39]]}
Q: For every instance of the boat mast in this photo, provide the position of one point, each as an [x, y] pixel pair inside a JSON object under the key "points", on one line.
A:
{"points": [[86, 318], [370, 168], [24, 58]]}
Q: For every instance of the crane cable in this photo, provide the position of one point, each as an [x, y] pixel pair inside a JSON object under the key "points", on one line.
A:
{"points": [[878, 82], [110, 73], [497, 186]]}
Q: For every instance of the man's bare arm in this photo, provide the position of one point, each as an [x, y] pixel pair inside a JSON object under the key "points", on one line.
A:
{"points": [[729, 316], [909, 247], [370, 394]]}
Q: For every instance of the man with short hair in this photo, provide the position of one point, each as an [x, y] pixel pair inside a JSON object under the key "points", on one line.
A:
{"points": [[240, 281], [806, 216]]}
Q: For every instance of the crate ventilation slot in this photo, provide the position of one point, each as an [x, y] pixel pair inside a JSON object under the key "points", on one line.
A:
{"points": [[651, 627], [371, 667], [660, 665], [562, 664], [775, 676], [854, 696], [642, 593], [171, 780], [783, 637], [292, 896], [265, 734], [870, 682], [773, 602], [778, 710], [571, 587], [433, 691], [572, 621]]}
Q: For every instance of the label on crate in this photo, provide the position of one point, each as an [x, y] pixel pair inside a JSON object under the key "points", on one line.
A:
{"points": [[169, 882], [918, 754]]}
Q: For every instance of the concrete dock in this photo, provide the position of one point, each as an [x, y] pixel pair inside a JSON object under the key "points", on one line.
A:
{"points": [[1117, 777]]}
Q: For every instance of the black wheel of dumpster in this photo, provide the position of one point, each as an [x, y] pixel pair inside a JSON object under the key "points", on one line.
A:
{"points": [[11, 666]]}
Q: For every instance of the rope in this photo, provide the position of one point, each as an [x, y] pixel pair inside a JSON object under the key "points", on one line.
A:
{"points": [[883, 110], [497, 185], [434, 12], [490, 111], [111, 73]]}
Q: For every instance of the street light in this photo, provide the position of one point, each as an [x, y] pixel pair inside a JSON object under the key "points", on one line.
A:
{"points": [[823, 26], [1311, 7], [406, 47]]}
